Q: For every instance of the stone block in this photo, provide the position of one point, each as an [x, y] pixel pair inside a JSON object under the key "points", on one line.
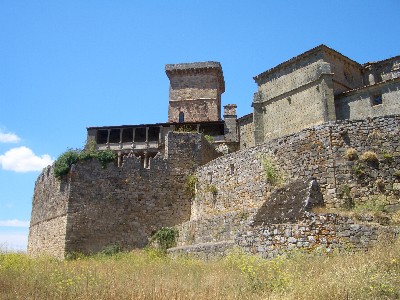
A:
{"points": [[289, 203]]}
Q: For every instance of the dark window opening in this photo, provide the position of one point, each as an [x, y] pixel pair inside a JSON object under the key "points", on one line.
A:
{"points": [[214, 129], [101, 137], [114, 136], [140, 134], [377, 100], [153, 134], [181, 117], [127, 135]]}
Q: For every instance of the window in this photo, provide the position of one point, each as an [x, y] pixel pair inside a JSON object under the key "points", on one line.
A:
{"points": [[376, 100], [102, 136], [181, 117]]}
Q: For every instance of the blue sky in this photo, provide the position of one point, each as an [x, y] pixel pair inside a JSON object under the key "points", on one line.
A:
{"points": [[67, 65]]}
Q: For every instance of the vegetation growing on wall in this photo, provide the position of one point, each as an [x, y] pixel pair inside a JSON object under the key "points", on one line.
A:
{"points": [[369, 156], [64, 162], [191, 182], [272, 174], [165, 238], [209, 138], [212, 189], [351, 154]]}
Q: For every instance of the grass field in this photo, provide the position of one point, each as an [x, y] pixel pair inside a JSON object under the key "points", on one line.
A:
{"points": [[149, 275]]}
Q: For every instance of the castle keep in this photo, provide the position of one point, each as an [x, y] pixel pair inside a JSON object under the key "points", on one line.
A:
{"points": [[308, 112]]}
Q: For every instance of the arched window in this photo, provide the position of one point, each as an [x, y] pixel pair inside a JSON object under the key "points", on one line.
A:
{"points": [[181, 117]]}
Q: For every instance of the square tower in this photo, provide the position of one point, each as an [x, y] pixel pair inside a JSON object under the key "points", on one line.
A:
{"points": [[195, 92]]}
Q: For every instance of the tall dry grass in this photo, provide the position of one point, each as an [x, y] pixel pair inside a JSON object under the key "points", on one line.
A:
{"points": [[146, 275]]}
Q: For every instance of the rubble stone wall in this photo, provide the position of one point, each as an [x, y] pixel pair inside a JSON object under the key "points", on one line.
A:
{"points": [[124, 206], [326, 231], [47, 231], [238, 181]]}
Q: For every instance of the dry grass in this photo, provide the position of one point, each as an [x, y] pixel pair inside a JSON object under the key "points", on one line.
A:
{"points": [[144, 275], [351, 154], [369, 156]]}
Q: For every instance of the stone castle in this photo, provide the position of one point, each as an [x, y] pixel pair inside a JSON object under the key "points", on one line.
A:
{"points": [[309, 112]]}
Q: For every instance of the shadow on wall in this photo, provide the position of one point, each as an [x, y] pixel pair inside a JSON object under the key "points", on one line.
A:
{"points": [[288, 203], [342, 111]]}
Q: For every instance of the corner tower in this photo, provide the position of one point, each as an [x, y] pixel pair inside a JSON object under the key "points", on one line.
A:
{"points": [[195, 92]]}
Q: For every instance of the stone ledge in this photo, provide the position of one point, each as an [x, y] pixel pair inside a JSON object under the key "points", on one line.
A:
{"points": [[203, 250]]}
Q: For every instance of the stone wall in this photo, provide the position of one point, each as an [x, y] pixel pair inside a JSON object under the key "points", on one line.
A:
{"points": [[359, 104], [195, 110], [326, 231], [47, 230], [246, 131], [216, 228], [382, 70], [238, 181], [300, 99], [347, 74], [116, 205]]}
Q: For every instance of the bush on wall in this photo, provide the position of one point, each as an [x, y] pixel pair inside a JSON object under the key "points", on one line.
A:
{"points": [[64, 162]]}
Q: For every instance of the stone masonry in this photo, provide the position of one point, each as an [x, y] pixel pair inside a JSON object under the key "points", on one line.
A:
{"points": [[195, 92], [93, 207], [254, 179]]}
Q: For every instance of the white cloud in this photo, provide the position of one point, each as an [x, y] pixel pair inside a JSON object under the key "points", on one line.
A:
{"points": [[8, 137], [14, 223], [13, 241], [22, 159]]}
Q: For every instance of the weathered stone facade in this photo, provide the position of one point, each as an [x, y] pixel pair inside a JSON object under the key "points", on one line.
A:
{"points": [[309, 114], [195, 92], [246, 131], [322, 85], [233, 191], [93, 207], [320, 152]]}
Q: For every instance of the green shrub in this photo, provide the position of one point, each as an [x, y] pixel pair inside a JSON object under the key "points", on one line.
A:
{"points": [[272, 174], [212, 188], [105, 156], [388, 156], [209, 138], [191, 182], [358, 170], [373, 205], [348, 203], [165, 238], [64, 162], [110, 250], [344, 191]]}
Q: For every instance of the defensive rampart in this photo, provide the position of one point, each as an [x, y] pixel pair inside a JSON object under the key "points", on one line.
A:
{"points": [[232, 189], [92, 207], [239, 181]]}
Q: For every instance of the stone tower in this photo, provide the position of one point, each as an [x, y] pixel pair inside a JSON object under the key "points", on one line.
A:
{"points": [[195, 92]]}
